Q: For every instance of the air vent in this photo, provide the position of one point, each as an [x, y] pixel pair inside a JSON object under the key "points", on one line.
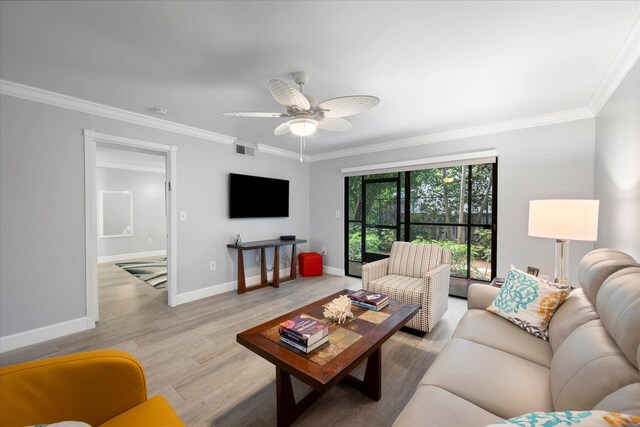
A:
{"points": [[244, 149]]}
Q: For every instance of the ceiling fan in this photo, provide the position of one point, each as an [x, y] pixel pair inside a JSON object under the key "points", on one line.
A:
{"points": [[306, 115]]}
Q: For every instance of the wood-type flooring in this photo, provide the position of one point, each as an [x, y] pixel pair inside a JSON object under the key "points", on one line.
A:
{"points": [[191, 357]]}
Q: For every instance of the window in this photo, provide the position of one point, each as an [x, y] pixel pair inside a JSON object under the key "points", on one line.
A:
{"points": [[453, 206]]}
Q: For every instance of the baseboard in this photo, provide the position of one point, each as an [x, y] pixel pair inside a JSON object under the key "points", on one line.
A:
{"points": [[46, 333], [207, 292], [122, 257], [333, 270], [221, 288]]}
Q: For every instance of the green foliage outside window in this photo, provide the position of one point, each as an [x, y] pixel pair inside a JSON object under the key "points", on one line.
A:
{"points": [[437, 196]]}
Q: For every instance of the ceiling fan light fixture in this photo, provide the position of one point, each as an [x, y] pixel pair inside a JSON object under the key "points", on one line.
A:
{"points": [[303, 127]]}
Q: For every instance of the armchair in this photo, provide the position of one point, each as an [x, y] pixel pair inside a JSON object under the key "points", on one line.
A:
{"points": [[104, 388], [414, 274]]}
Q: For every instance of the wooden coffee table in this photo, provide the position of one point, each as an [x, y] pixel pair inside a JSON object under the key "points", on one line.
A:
{"points": [[349, 344]]}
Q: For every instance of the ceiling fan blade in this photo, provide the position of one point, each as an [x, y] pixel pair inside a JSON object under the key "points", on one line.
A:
{"points": [[347, 105], [287, 95], [281, 129], [336, 124], [256, 114]]}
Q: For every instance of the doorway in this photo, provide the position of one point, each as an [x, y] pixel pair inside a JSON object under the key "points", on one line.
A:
{"points": [[381, 225], [112, 235]]}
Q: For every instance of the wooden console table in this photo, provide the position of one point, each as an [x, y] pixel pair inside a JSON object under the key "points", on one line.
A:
{"points": [[263, 245]]}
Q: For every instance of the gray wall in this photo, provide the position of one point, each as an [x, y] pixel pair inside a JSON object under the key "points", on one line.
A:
{"points": [[545, 162], [617, 167], [42, 198], [149, 220], [42, 250]]}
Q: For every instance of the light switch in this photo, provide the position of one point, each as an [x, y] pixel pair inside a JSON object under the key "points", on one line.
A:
{"points": [[337, 214], [183, 216]]}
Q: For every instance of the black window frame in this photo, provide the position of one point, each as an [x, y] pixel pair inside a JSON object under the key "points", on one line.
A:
{"points": [[406, 218]]}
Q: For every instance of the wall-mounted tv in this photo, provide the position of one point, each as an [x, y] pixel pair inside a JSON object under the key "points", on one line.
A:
{"points": [[257, 197]]}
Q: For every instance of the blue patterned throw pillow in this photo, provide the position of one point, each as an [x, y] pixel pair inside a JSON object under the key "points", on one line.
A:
{"points": [[528, 301], [571, 418]]}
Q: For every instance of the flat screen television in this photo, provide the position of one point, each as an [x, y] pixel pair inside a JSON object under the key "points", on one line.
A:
{"points": [[257, 197]]}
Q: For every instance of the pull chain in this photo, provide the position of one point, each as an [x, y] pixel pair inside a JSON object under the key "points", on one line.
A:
{"points": [[304, 138]]}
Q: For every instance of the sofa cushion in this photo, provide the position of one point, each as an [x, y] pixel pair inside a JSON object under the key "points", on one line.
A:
{"points": [[625, 400], [434, 406], [400, 288], [485, 328], [494, 380], [587, 367], [618, 304], [596, 266], [154, 412], [481, 296], [528, 301], [414, 260], [573, 313]]}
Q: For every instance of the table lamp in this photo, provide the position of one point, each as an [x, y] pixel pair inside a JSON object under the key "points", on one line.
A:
{"points": [[563, 220]]}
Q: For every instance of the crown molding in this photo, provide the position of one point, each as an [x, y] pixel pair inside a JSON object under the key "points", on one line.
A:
{"points": [[282, 153], [517, 124], [64, 101], [624, 60]]}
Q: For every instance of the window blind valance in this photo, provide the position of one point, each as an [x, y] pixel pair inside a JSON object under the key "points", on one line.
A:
{"points": [[463, 159]]}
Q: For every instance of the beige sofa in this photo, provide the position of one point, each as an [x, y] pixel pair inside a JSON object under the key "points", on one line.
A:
{"points": [[491, 369]]}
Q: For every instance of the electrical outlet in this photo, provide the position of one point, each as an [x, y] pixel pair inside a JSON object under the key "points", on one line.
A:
{"points": [[212, 266], [149, 240], [324, 251], [183, 216]]}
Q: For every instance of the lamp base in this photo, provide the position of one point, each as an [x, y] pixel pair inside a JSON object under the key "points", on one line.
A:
{"points": [[562, 262]]}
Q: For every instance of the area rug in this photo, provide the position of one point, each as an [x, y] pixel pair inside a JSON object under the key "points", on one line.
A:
{"points": [[153, 272]]}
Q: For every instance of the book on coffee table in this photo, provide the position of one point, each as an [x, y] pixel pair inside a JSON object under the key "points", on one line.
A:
{"points": [[303, 348], [369, 306], [303, 330], [371, 300]]}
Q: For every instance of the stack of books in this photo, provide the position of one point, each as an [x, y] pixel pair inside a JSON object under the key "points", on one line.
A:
{"points": [[304, 334], [371, 300]]}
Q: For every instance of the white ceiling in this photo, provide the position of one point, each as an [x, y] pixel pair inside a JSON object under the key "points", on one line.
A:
{"points": [[436, 66]]}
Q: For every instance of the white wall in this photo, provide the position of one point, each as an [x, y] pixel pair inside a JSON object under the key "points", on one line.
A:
{"points": [[545, 162], [617, 167], [149, 218], [42, 250]]}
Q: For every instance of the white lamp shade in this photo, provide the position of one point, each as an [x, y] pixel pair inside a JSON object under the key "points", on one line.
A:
{"points": [[564, 219]]}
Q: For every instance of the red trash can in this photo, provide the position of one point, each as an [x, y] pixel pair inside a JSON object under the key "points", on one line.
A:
{"points": [[310, 264]]}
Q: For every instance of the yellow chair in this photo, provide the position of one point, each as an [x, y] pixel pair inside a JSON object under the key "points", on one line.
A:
{"points": [[104, 388]]}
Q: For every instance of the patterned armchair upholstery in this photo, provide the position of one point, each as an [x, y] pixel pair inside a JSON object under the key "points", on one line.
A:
{"points": [[414, 274]]}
